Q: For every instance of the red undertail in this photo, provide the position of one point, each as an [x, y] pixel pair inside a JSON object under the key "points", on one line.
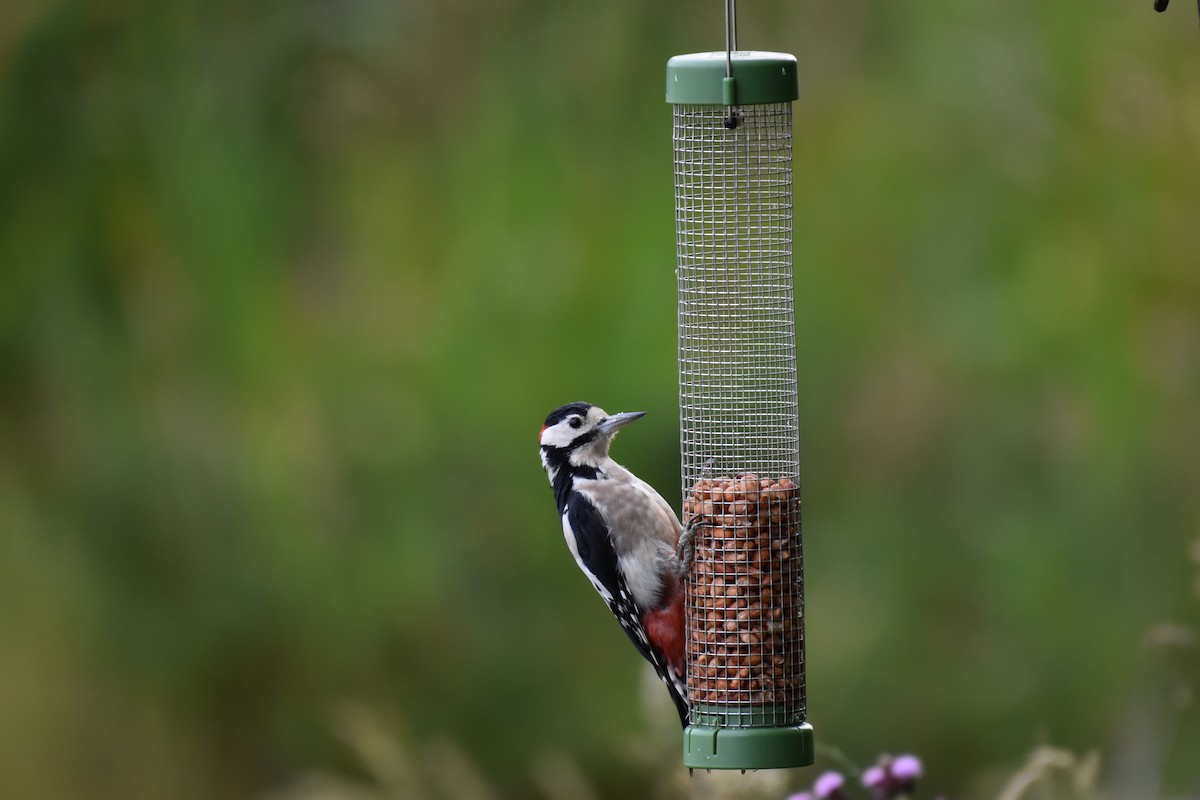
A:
{"points": [[664, 627]]}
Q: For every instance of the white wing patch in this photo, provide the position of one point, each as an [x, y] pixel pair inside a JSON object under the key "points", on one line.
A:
{"points": [[604, 593]]}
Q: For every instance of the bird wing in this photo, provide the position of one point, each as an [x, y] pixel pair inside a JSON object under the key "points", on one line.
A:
{"points": [[642, 532], [592, 547]]}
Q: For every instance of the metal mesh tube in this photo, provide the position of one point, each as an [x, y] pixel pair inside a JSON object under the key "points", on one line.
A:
{"points": [[738, 413]]}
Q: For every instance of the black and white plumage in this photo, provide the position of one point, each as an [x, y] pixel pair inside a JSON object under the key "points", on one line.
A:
{"points": [[623, 535]]}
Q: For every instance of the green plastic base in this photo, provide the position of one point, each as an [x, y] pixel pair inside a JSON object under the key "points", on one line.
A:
{"points": [[707, 747]]}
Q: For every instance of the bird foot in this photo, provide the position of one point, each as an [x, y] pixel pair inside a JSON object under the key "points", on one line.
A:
{"points": [[685, 550]]}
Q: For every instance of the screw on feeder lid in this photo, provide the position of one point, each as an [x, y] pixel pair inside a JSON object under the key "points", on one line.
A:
{"points": [[757, 78]]}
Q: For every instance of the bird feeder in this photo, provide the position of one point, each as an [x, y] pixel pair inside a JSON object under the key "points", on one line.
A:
{"points": [[738, 407]]}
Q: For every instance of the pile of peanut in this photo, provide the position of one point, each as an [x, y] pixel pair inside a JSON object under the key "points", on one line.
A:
{"points": [[744, 602]]}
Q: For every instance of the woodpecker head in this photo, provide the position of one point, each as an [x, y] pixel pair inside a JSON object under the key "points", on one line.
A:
{"points": [[579, 434]]}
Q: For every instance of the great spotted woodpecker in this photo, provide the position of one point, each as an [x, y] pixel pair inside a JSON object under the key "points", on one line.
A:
{"points": [[623, 535]]}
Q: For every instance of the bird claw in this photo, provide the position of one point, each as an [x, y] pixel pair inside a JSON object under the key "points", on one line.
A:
{"points": [[685, 549]]}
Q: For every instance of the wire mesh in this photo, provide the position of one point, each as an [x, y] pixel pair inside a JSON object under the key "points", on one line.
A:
{"points": [[738, 413]]}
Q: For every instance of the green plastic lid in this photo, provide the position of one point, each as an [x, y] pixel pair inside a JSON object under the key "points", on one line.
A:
{"points": [[758, 77]]}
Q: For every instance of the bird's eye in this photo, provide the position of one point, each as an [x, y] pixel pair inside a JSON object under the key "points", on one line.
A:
{"points": [[575, 422]]}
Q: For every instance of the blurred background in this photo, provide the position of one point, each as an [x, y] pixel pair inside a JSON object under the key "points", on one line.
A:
{"points": [[287, 288]]}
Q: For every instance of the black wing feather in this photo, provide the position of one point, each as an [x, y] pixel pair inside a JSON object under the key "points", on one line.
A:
{"points": [[595, 549]]}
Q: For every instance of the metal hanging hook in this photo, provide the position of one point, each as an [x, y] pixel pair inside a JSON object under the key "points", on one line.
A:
{"points": [[731, 35], [1161, 5], [734, 117]]}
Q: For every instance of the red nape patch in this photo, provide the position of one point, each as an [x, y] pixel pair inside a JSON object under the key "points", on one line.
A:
{"points": [[543, 430], [664, 627]]}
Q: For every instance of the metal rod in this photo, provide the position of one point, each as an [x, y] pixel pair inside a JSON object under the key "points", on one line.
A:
{"points": [[730, 35], [733, 22]]}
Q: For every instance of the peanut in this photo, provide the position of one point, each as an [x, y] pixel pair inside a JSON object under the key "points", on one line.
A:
{"points": [[745, 628]]}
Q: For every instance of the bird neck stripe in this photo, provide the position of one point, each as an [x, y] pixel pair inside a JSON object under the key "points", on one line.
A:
{"points": [[563, 481]]}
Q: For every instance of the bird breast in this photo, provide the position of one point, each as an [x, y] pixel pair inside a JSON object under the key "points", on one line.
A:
{"points": [[643, 530]]}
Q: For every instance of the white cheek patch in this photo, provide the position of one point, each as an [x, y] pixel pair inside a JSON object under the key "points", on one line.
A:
{"points": [[559, 435]]}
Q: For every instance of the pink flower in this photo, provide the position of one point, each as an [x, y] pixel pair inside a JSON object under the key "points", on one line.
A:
{"points": [[906, 768], [876, 779], [829, 785]]}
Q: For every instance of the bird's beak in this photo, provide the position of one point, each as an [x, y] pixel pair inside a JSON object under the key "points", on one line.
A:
{"points": [[612, 424]]}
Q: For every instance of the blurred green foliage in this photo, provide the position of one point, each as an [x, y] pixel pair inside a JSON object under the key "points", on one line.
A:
{"points": [[286, 289]]}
